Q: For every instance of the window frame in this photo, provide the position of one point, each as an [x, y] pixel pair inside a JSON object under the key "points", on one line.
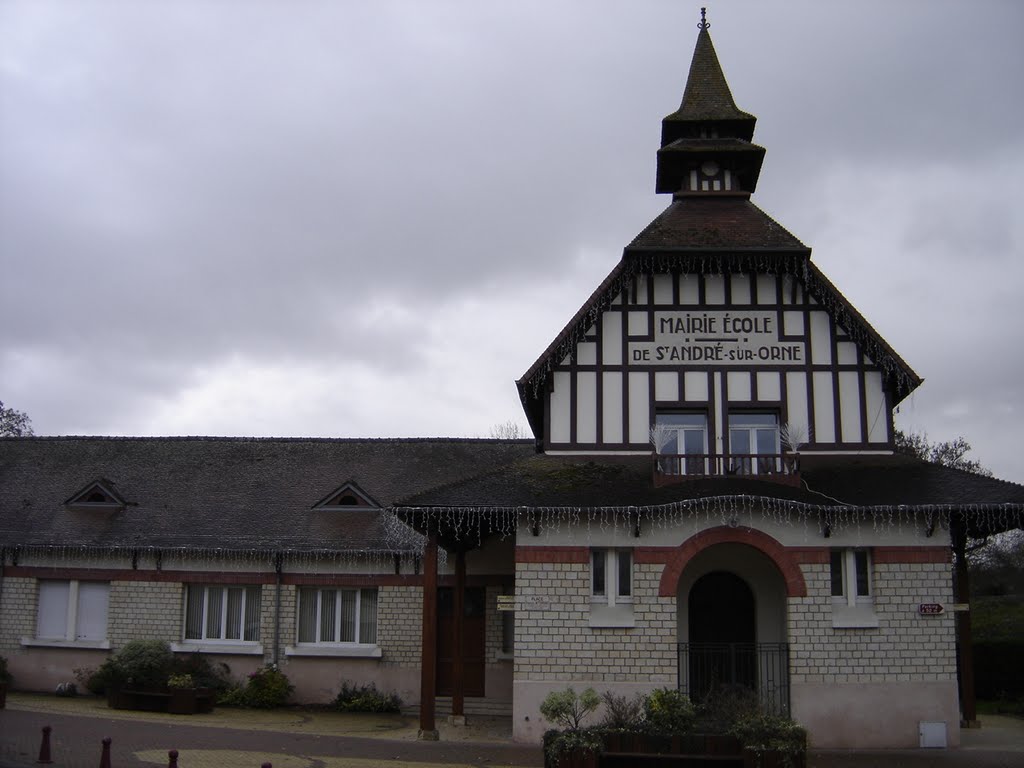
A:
{"points": [[614, 590], [742, 462], [75, 614], [851, 573], [357, 641], [224, 618], [699, 464], [850, 576]]}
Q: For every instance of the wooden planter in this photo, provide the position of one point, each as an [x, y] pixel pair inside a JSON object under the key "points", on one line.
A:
{"points": [[711, 750], [189, 701], [186, 701]]}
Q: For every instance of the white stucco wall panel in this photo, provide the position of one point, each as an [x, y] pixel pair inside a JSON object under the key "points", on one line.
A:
{"points": [[561, 416], [586, 407]]}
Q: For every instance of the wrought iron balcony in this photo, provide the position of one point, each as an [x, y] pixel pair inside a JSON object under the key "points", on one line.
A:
{"points": [[760, 667], [677, 468]]}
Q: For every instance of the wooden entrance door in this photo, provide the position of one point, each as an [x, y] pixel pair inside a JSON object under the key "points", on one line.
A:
{"points": [[473, 636]]}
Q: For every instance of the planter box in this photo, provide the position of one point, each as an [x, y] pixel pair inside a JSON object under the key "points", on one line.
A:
{"points": [[711, 750], [179, 702], [189, 701]]}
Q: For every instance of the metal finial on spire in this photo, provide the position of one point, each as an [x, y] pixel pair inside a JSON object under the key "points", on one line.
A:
{"points": [[704, 23]]}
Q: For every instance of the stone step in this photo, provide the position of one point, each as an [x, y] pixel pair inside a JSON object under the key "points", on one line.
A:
{"points": [[471, 706]]}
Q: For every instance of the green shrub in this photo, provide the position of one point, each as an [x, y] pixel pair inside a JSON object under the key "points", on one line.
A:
{"points": [[557, 743], [144, 664], [365, 698], [622, 712], [98, 680], [5, 674], [668, 712], [567, 708], [216, 677], [181, 682], [762, 733], [266, 688], [726, 705]]}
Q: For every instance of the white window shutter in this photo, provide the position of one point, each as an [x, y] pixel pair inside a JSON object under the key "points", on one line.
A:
{"points": [[93, 600], [52, 617]]}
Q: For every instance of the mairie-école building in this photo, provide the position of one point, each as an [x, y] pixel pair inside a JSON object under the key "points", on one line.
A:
{"points": [[712, 497]]}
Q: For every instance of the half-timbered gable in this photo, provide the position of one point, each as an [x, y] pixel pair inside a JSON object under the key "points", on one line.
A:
{"points": [[715, 339]]}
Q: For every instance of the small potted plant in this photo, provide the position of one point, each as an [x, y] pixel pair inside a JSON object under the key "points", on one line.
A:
{"points": [[5, 680], [183, 695]]}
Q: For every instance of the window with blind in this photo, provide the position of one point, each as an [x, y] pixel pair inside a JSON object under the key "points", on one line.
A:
{"points": [[222, 613], [72, 611], [338, 615]]}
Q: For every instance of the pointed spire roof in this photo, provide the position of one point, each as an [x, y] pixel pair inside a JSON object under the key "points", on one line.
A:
{"points": [[708, 133], [707, 96]]}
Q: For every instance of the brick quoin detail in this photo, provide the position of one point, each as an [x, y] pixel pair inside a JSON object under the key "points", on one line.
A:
{"points": [[786, 563], [579, 555]]}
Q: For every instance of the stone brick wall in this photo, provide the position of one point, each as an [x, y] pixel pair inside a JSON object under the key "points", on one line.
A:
{"points": [[289, 626], [493, 631], [905, 647], [554, 639], [144, 610], [18, 609], [400, 625]]}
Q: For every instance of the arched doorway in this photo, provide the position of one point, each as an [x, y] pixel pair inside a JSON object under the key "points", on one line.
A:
{"points": [[723, 633]]}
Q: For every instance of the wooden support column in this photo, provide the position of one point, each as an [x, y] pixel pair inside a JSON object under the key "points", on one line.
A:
{"points": [[968, 705], [428, 658], [458, 675]]}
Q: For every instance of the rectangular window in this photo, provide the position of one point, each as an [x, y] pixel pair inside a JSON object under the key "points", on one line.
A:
{"points": [[682, 438], [338, 615], [850, 572], [222, 613], [611, 575], [72, 611], [508, 632], [754, 443]]}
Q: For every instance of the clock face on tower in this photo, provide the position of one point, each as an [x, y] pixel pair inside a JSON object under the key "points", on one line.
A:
{"points": [[709, 168]]}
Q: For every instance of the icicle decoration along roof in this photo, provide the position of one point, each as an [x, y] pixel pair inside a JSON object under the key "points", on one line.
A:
{"points": [[895, 369], [742, 511]]}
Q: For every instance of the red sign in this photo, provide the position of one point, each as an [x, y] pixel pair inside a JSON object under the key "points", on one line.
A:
{"points": [[930, 609]]}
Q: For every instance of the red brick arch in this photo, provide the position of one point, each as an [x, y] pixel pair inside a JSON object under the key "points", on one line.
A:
{"points": [[784, 561]]}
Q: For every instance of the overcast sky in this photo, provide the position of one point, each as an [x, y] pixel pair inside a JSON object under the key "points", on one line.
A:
{"points": [[369, 218]]}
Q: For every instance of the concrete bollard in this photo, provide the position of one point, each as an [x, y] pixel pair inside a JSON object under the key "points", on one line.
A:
{"points": [[105, 757], [44, 746], [172, 759]]}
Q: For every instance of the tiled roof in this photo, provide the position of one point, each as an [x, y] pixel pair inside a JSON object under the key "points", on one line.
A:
{"points": [[707, 95], [547, 481], [714, 222], [228, 493]]}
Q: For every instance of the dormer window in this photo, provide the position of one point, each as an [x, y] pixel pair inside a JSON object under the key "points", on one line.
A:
{"points": [[99, 494], [348, 496]]}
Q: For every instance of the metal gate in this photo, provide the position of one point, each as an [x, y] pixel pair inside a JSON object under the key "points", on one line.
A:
{"points": [[761, 667]]}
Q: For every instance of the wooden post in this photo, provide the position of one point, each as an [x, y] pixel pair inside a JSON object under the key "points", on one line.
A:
{"points": [[458, 676], [968, 706], [44, 747], [428, 658], [105, 756]]}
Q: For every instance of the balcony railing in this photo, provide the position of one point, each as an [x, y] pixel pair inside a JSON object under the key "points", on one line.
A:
{"points": [[675, 468], [760, 667]]}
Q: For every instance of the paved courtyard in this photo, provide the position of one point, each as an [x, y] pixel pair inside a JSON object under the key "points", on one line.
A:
{"points": [[292, 738]]}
